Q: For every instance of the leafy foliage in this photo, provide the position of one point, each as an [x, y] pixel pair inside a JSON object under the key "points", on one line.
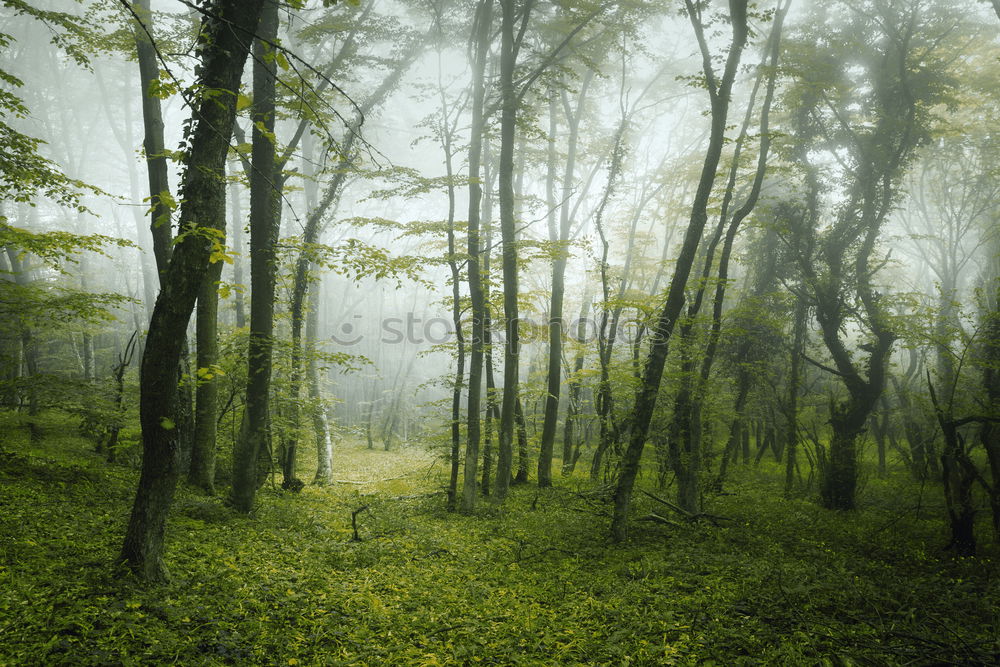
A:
{"points": [[24, 172], [782, 583], [56, 247]]}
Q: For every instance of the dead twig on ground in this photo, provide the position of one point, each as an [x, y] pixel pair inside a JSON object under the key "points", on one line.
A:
{"points": [[691, 517]]}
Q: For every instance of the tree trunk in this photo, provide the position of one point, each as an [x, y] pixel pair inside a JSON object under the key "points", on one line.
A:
{"points": [[254, 440], [573, 404], [794, 373], [554, 374], [29, 346], [152, 118], [202, 472], [484, 14], [236, 218], [558, 235], [447, 140], [646, 395], [508, 242], [492, 414], [321, 426], [223, 52], [521, 477]]}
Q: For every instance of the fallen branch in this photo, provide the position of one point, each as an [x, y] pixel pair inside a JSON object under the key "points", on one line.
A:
{"points": [[691, 517], [414, 496], [368, 481], [656, 518]]}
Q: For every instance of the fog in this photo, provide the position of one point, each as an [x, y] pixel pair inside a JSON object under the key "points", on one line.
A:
{"points": [[875, 207]]}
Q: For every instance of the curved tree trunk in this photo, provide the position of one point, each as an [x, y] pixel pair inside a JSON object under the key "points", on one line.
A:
{"points": [[223, 51], [645, 400]]}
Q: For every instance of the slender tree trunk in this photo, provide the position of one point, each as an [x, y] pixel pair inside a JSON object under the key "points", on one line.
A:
{"points": [[492, 413], [124, 359], [645, 400], [87, 340], [573, 404], [29, 345], [508, 123], [202, 472], [794, 381], [321, 426], [559, 235], [607, 335], [447, 141], [484, 14], [152, 117], [160, 216], [310, 235], [521, 427], [236, 219], [254, 441], [736, 429]]}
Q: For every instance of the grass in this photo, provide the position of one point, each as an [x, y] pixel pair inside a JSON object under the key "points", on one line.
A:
{"points": [[533, 582]]}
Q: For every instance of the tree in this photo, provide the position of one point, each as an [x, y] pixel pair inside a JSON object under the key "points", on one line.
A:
{"points": [[719, 91], [254, 442], [685, 429], [223, 46], [314, 226], [509, 47], [899, 69], [480, 50]]}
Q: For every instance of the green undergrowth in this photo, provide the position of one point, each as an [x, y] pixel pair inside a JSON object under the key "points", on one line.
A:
{"points": [[534, 582]]}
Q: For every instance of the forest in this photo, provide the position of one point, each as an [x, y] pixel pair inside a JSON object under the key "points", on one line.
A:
{"points": [[512, 332]]}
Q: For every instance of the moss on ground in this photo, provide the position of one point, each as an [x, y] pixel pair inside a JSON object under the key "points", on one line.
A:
{"points": [[536, 582]]}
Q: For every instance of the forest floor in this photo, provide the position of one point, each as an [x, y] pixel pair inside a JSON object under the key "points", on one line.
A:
{"points": [[534, 582]]}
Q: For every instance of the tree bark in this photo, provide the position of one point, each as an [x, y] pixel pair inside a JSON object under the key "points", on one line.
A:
{"points": [[223, 52], [505, 173], [253, 443], [202, 472], [484, 14], [646, 395]]}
